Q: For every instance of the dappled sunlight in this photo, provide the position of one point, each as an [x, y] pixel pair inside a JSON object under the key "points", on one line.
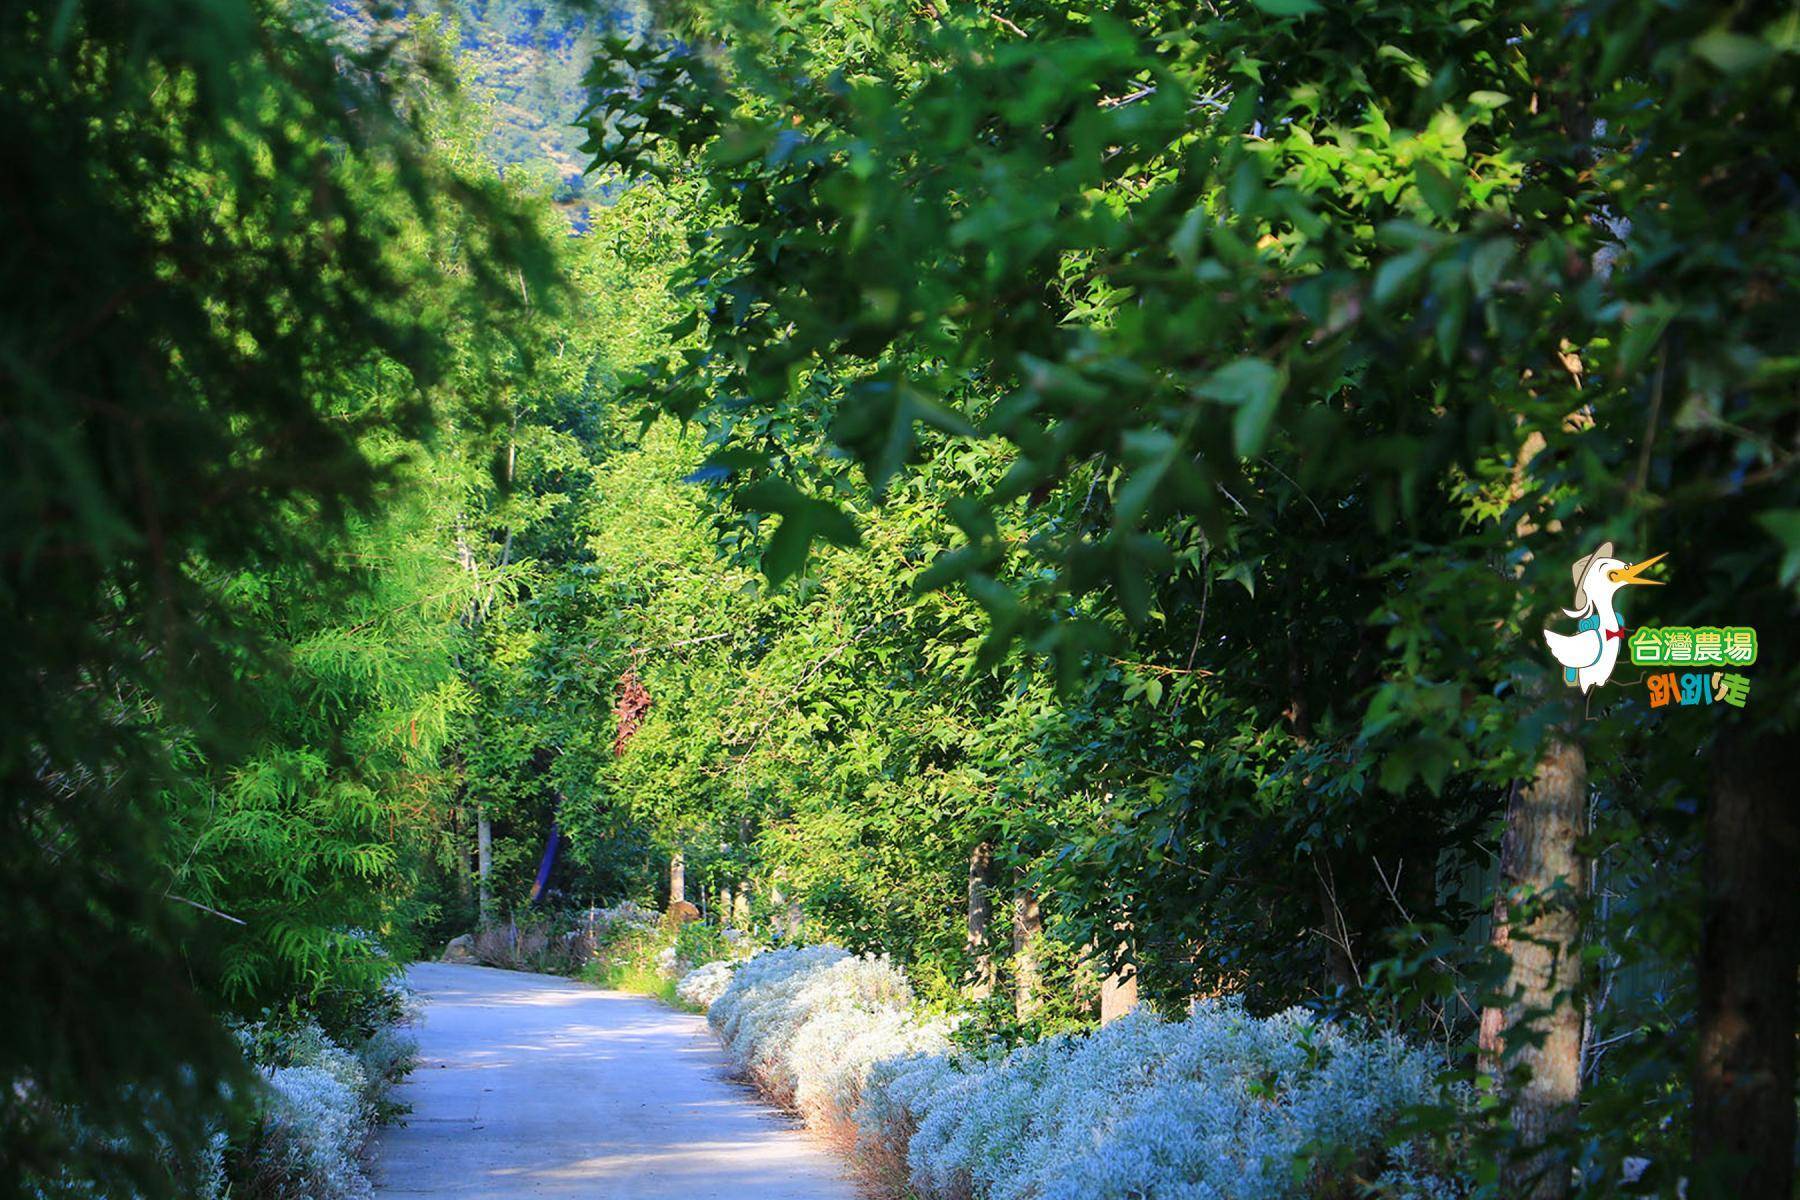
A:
{"points": [[541, 1085]]}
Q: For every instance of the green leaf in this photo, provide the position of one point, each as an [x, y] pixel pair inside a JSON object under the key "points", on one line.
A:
{"points": [[1732, 53], [803, 519], [1287, 8], [1487, 263], [1255, 386], [1438, 189], [1150, 452], [785, 554], [1784, 525], [1242, 573], [1395, 275], [947, 568]]}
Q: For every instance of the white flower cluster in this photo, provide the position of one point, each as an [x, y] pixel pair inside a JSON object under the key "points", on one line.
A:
{"points": [[1220, 1106], [705, 983], [836, 1051], [626, 912], [807, 1023], [316, 1126]]}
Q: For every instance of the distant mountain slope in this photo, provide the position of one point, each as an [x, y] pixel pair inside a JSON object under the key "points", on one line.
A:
{"points": [[533, 57], [530, 56]]}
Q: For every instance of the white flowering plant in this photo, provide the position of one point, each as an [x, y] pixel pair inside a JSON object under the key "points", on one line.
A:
{"points": [[321, 1105], [1221, 1105], [812, 1026], [704, 984]]}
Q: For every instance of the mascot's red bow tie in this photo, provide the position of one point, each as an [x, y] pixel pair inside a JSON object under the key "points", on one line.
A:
{"points": [[1617, 633]]}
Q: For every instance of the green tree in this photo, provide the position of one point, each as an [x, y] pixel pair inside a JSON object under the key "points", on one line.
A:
{"points": [[218, 330], [1332, 332]]}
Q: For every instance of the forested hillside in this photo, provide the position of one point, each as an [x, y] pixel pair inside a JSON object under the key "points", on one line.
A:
{"points": [[1067, 497]]}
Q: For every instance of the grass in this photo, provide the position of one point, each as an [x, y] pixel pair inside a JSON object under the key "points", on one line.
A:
{"points": [[640, 980]]}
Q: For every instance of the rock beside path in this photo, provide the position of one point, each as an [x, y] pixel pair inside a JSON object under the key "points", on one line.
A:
{"points": [[460, 950]]}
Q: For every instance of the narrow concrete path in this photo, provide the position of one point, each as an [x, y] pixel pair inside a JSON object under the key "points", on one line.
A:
{"points": [[532, 1086]]}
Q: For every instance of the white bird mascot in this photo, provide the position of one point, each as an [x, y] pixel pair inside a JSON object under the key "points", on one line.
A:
{"points": [[1589, 654]]}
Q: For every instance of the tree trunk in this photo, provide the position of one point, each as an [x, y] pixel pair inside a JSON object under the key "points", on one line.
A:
{"points": [[740, 906], [484, 861], [1749, 950], [786, 918], [1118, 994], [1028, 923], [465, 554], [1538, 853], [677, 877], [981, 919]]}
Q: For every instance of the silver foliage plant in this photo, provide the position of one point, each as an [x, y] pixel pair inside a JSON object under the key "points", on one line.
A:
{"points": [[705, 983], [322, 1103], [1220, 1105], [809, 1023]]}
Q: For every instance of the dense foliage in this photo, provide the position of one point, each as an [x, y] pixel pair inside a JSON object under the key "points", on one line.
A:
{"points": [[1063, 497], [1258, 370], [242, 265]]}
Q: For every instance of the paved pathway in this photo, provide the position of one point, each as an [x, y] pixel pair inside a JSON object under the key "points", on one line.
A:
{"points": [[536, 1088]]}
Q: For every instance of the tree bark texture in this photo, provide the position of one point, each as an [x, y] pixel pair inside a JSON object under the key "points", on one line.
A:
{"points": [[1749, 952], [1539, 854], [1028, 981], [484, 859], [981, 919], [1118, 994], [677, 877]]}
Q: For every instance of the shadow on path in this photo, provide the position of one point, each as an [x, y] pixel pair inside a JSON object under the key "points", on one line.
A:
{"points": [[533, 1086]]}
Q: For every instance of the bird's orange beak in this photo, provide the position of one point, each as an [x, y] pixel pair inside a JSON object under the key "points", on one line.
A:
{"points": [[1634, 573]]}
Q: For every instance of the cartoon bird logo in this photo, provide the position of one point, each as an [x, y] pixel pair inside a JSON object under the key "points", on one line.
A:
{"points": [[1589, 654]]}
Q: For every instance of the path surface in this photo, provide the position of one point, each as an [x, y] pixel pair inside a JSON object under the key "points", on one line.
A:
{"points": [[534, 1087]]}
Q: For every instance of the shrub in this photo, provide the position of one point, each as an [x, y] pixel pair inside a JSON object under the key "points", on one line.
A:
{"points": [[1220, 1105], [704, 984], [696, 943], [322, 1103], [310, 1139], [564, 943], [759, 1013], [609, 923], [835, 1050], [806, 1024], [194, 1166], [534, 944], [387, 1057]]}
